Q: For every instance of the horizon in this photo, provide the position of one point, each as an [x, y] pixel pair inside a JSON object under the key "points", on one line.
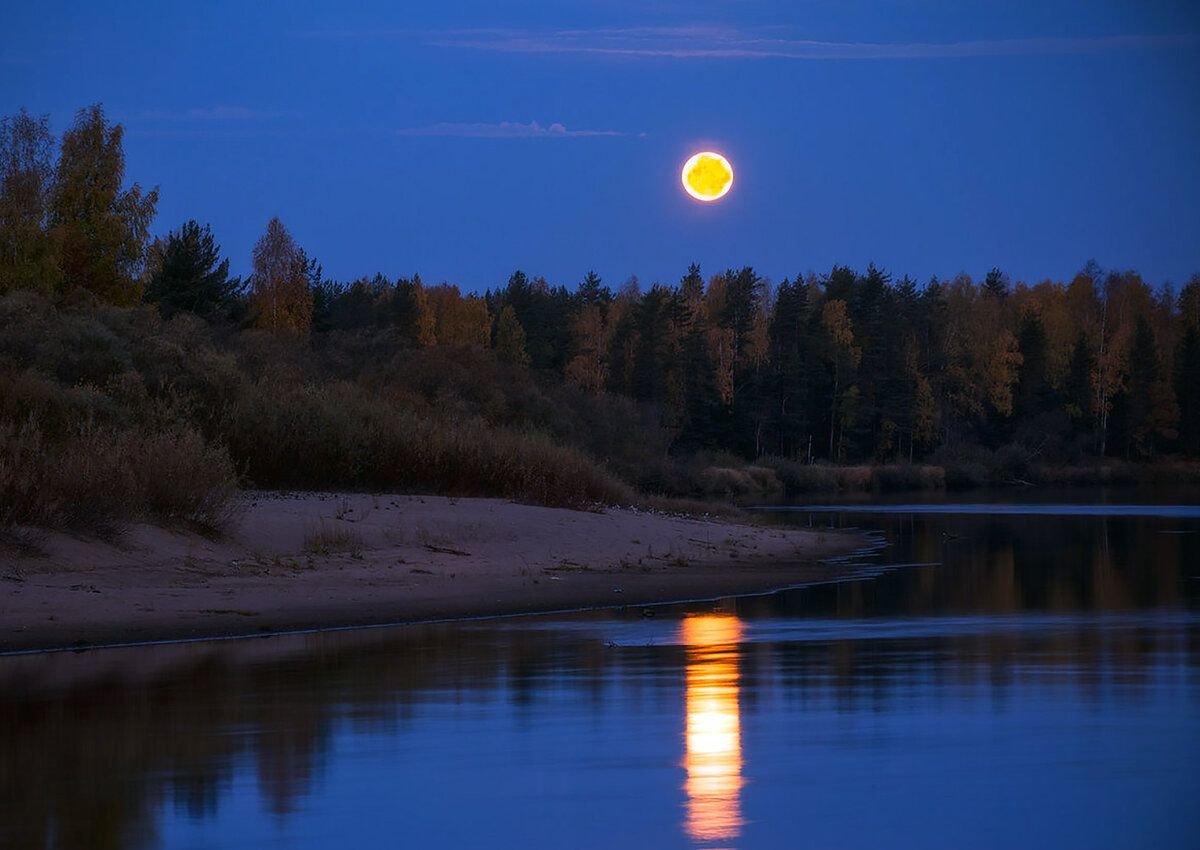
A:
{"points": [[548, 138]]}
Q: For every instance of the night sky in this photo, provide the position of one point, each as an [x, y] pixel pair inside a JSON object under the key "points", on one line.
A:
{"points": [[462, 140]]}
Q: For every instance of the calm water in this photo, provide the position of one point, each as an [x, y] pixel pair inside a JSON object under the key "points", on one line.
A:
{"points": [[1029, 678]]}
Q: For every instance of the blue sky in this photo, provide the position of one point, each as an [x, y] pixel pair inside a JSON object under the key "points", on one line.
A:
{"points": [[464, 139]]}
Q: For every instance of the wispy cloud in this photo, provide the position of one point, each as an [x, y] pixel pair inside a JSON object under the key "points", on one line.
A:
{"points": [[711, 42], [215, 113], [507, 130]]}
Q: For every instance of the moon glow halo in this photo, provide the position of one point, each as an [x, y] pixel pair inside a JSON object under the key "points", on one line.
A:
{"points": [[707, 176]]}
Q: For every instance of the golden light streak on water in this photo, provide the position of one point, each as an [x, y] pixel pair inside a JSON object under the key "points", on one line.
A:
{"points": [[713, 755]]}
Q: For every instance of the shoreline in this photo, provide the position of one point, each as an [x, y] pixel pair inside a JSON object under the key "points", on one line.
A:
{"points": [[303, 562]]}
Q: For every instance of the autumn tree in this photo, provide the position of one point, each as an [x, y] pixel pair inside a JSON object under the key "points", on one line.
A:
{"points": [[425, 319], [29, 250], [281, 296], [981, 361], [458, 320], [103, 229]]}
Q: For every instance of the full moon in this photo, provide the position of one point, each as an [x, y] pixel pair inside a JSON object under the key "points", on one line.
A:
{"points": [[707, 176]]}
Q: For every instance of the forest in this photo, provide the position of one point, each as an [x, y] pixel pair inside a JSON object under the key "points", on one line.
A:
{"points": [[138, 376]]}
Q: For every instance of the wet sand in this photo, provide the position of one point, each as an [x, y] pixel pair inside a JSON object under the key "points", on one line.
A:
{"points": [[318, 560]]}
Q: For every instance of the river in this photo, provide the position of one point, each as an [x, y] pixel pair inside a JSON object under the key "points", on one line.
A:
{"points": [[1002, 675]]}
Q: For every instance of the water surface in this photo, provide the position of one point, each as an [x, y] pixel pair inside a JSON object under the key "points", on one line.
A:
{"points": [[1029, 678]]}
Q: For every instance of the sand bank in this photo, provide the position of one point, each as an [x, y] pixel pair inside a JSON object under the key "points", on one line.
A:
{"points": [[314, 560]]}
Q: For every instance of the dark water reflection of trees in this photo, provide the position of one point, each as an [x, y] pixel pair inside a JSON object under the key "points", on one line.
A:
{"points": [[93, 745]]}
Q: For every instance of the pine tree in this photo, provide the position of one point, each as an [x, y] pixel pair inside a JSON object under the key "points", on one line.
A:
{"points": [[1031, 395], [191, 275], [510, 338], [592, 291], [995, 284], [1143, 413], [788, 382], [1187, 390]]}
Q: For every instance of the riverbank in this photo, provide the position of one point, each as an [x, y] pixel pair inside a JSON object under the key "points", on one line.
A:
{"points": [[316, 560], [773, 479]]}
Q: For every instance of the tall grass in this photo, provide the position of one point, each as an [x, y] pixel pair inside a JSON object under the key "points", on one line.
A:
{"points": [[99, 479], [339, 435], [800, 479]]}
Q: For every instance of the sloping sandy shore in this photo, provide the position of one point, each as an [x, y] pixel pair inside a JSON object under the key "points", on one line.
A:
{"points": [[311, 560]]}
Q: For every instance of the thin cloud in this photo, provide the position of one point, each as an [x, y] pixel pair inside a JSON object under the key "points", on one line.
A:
{"points": [[506, 130], [700, 42], [215, 113]]}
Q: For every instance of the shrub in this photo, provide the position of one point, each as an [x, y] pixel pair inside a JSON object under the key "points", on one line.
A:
{"points": [[802, 479], [24, 499], [965, 466], [900, 477], [98, 479], [857, 479], [340, 435], [185, 479], [755, 483]]}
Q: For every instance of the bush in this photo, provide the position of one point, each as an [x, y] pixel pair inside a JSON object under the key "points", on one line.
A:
{"points": [[756, 483], [901, 477], [24, 500], [99, 479], [800, 479], [965, 466], [340, 435], [185, 479], [1011, 464]]}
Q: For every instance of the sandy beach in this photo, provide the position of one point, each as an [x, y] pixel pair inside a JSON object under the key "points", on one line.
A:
{"points": [[313, 560]]}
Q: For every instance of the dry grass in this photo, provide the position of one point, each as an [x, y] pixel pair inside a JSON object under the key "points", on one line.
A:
{"points": [[99, 479], [340, 435], [757, 483], [803, 479], [329, 538]]}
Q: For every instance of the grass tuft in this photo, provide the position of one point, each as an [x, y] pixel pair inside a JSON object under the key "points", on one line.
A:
{"points": [[331, 538]]}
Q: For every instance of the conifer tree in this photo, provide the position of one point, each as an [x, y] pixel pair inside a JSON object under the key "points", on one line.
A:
{"points": [[510, 338], [1187, 390], [191, 275]]}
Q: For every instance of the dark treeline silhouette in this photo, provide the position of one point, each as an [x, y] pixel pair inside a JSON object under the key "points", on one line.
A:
{"points": [[847, 366], [719, 384]]}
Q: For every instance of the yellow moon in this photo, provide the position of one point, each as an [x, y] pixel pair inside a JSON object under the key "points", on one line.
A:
{"points": [[707, 176]]}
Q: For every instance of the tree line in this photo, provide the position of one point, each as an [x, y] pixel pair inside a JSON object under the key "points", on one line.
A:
{"points": [[847, 366]]}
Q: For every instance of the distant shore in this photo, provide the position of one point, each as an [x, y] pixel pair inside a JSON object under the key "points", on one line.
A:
{"points": [[320, 560]]}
